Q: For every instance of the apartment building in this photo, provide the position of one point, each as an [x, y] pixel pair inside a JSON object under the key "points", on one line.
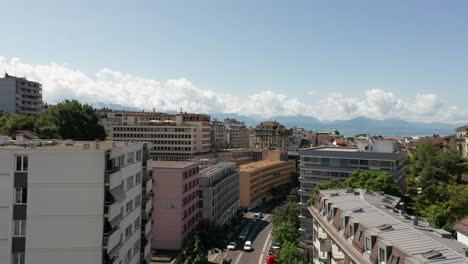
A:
{"points": [[358, 226], [322, 164], [271, 134], [176, 203], [462, 141], [177, 137], [20, 96], [258, 178], [229, 133], [73, 202], [219, 192]]}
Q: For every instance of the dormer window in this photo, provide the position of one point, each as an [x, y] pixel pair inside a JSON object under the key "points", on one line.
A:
{"points": [[351, 230], [382, 255]]}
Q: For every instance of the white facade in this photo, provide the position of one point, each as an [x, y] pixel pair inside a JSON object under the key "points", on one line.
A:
{"points": [[73, 214], [20, 96]]}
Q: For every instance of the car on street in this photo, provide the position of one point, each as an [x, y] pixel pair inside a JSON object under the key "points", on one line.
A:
{"points": [[232, 246], [248, 246], [258, 215]]}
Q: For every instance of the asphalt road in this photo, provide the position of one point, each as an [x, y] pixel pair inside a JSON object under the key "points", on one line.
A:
{"points": [[261, 241]]}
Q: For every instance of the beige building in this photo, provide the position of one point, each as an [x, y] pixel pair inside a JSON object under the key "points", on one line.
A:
{"points": [[175, 137], [229, 133], [271, 134], [258, 178], [462, 141]]}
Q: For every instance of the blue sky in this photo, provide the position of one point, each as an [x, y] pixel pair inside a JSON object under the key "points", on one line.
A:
{"points": [[313, 53]]}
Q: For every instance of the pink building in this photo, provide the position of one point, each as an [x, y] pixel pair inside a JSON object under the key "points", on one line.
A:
{"points": [[175, 203]]}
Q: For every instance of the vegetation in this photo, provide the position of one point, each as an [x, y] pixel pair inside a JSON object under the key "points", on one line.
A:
{"points": [[288, 212], [289, 253], [373, 181], [331, 184], [208, 238], [10, 123], [195, 253], [70, 120], [286, 232], [442, 200]]}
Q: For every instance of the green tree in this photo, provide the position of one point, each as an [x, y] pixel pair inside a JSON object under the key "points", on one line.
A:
{"points": [[373, 181], [70, 120], [331, 184], [286, 232], [288, 212], [195, 253], [212, 236], [10, 123], [289, 253]]}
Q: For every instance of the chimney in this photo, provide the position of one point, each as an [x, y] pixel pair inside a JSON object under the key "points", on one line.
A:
{"points": [[19, 139], [414, 218]]}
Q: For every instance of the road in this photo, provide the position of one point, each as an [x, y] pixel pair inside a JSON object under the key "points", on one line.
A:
{"points": [[261, 241]]}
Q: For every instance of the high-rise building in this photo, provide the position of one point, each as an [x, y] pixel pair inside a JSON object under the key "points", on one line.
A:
{"points": [[271, 134], [325, 163], [177, 137], [20, 96], [358, 226], [219, 192], [219, 135], [74, 202], [176, 203]]}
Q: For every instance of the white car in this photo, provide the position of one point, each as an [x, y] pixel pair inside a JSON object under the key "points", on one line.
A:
{"points": [[232, 246], [248, 246]]}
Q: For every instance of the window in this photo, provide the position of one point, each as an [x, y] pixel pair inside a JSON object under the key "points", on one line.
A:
{"points": [[21, 195], [358, 235], [19, 228], [136, 247], [351, 230], [21, 163], [18, 258], [128, 231], [342, 223], [129, 255], [137, 200], [382, 255], [137, 222], [138, 178], [395, 259], [129, 182], [129, 206], [368, 246]]}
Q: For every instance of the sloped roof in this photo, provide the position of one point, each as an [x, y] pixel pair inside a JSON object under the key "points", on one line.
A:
{"points": [[462, 225]]}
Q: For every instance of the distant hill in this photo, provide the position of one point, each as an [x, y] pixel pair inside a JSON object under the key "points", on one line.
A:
{"points": [[359, 125]]}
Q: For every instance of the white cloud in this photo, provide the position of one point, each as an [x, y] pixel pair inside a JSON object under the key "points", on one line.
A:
{"points": [[108, 86]]}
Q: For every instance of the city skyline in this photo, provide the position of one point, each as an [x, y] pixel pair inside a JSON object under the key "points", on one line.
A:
{"points": [[403, 61]]}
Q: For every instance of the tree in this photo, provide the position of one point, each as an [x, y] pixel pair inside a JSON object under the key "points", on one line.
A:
{"points": [[195, 253], [289, 253], [331, 184], [10, 123], [212, 236], [288, 212], [286, 232], [373, 181], [70, 120]]}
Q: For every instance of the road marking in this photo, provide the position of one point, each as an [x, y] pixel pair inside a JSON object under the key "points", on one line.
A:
{"points": [[267, 241], [239, 258]]}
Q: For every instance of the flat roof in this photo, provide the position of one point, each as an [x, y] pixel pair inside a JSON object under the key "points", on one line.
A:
{"points": [[173, 164], [338, 149], [72, 145], [414, 240], [259, 164], [347, 153]]}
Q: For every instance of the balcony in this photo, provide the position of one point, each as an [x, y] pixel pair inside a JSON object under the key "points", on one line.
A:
{"points": [[114, 178], [148, 206], [148, 229], [112, 241], [147, 253], [337, 254], [113, 212], [322, 245], [149, 186]]}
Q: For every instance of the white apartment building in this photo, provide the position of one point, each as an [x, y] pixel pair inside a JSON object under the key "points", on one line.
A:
{"points": [[174, 137], [74, 202], [219, 185]]}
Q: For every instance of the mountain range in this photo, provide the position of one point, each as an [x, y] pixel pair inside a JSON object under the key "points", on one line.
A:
{"points": [[359, 125]]}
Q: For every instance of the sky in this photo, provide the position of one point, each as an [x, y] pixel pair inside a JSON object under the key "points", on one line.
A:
{"points": [[327, 59]]}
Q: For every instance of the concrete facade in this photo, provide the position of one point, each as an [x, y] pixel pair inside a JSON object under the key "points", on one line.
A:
{"points": [[229, 133], [258, 178], [462, 141], [177, 137], [176, 203], [71, 202], [20, 96], [322, 164], [271, 134], [219, 185]]}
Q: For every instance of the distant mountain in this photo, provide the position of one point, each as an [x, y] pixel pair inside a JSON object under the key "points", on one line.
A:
{"points": [[359, 125]]}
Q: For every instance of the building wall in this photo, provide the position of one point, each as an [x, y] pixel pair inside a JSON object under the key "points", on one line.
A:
{"points": [[7, 96], [256, 184], [169, 207], [462, 237]]}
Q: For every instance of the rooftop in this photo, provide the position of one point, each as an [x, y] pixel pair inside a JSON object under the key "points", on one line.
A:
{"points": [[173, 164], [216, 168], [462, 225], [259, 164], [339, 149], [41, 144], [378, 210]]}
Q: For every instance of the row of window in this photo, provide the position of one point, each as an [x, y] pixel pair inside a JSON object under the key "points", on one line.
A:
{"points": [[131, 183], [130, 204], [131, 252], [190, 185], [189, 198], [150, 129]]}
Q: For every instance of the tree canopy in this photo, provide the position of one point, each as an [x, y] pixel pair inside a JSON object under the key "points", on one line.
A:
{"points": [[286, 232], [331, 184], [288, 212], [70, 120], [195, 253], [289, 253], [373, 181], [10, 123]]}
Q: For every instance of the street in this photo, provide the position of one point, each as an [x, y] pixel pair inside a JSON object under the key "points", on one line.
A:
{"points": [[261, 241]]}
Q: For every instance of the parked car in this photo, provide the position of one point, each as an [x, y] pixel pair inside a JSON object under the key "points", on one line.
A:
{"points": [[258, 215], [248, 246], [232, 246]]}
